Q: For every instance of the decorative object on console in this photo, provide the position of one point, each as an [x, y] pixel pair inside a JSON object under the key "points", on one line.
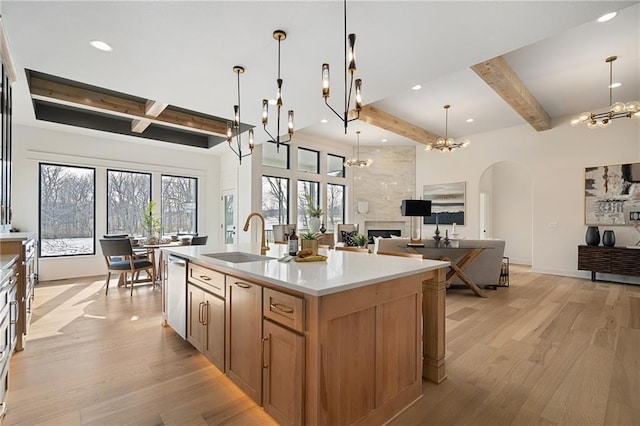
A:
{"points": [[363, 207], [233, 129], [592, 237], [314, 214], [448, 200], [608, 238], [612, 194], [454, 233], [323, 229], [349, 238], [616, 110], [416, 209], [278, 35], [357, 161], [436, 234], [447, 144], [361, 240], [350, 67]]}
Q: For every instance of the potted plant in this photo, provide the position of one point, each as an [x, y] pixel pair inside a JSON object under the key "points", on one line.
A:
{"points": [[310, 240], [315, 212], [151, 223], [361, 240]]}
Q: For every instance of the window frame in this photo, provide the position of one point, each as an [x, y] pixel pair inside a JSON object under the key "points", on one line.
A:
{"points": [[300, 148], [93, 238], [317, 197], [285, 146], [288, 216], [197, 201], [344, 172], [108, 170], [344, 200]]}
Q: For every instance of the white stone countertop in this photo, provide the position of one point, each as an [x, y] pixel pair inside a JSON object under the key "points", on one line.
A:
{"points": [[341, 271], [16, 236]]}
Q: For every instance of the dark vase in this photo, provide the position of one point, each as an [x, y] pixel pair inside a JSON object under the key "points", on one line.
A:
{"points": [[592, 237], [608, 238], [322, 228]]}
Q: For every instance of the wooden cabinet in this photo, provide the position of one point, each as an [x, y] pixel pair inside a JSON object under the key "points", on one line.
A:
{"points": [[610, 260], [244, 335], [24, 245], [283, 357], [8, 314], [205, 324]]}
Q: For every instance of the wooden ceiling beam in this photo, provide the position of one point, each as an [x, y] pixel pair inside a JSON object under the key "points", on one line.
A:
{"points": [[139, 126], [503, 80], [60, 93], [376, 117]]}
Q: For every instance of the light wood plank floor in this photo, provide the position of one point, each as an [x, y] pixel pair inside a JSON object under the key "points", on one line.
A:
{"points": [[547, 350]]}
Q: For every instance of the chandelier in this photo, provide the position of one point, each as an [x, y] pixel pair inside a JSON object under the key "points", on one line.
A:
{"points": [[278, 35], [349, 69], [233, 129], [616, 110], [357, 162], [447, 144]]}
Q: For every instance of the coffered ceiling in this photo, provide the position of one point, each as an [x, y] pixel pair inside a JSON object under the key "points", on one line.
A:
{"points": [[182, 53]]}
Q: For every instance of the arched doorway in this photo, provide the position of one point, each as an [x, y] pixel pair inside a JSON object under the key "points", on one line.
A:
{"points": [[506, 208]]}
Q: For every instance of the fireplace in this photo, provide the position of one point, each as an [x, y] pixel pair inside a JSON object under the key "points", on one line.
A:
{"points": [[384, 233]]}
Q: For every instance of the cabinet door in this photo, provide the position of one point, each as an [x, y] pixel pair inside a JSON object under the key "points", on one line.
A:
{"points": [[214, 326], [195, 321], [283, 370], [244, 332]]}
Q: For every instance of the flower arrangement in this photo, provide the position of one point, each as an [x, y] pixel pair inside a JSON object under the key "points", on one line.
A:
{"points": [[151, 223], [361, 240]]}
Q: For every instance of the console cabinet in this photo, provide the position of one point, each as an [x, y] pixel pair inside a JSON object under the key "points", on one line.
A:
{"points": [[609, 260], [24, 245]]}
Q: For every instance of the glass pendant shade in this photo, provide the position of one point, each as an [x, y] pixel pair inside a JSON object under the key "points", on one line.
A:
{"points": [[325, 80], [278, 35], [233, 129]]}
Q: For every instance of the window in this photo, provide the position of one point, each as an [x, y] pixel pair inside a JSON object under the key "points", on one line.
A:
{"points": [[335, 205], [273, 157], [128, 195], [308, 160], [335, 165], [275, 200], [179, 204], [308, 195], [67, 210]]}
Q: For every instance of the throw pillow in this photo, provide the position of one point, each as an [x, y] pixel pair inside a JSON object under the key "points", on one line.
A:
{"points": [[348, 238]]}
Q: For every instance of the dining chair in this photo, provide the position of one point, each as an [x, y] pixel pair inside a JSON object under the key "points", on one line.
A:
{"points": [[121, 248], [400, 254], [356, 249], [280, 232], [200, 240]]}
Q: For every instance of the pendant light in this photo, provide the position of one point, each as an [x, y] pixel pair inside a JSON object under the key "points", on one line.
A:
{"points": [[447, 144], [233, 129], [357, 162]]}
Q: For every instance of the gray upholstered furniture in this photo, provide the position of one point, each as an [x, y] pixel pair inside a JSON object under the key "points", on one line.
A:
{"points": [[485, 270]]}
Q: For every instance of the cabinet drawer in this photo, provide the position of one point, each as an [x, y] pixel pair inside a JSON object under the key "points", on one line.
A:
{"points": [[284, 309], [212, 280]]}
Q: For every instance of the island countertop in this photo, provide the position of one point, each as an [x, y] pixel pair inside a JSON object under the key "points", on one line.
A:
{"points": [[341, 271]]}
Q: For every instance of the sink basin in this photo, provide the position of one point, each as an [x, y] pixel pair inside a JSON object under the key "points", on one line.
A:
{"points": [[237, 257]]}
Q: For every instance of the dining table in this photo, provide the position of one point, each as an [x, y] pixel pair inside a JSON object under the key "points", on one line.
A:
{"points": [[150, 251]]}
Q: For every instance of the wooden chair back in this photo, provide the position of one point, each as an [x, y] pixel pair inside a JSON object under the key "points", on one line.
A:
{"points": [[200, 240], [400, 254], [347, 227], [279, 232], [356, 249]]}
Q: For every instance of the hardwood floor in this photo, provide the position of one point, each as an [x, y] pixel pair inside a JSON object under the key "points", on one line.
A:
{"points": [[547, 350]]}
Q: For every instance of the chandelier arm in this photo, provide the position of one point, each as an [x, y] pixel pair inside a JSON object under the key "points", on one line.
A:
{"points": [[346, 65], [334, 111], [354, 118], [268, 133]]}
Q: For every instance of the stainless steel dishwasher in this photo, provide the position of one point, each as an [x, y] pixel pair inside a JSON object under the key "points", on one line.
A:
{"points": [[176, 291]]}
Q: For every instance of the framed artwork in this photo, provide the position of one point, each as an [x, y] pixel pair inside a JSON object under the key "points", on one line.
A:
{"points": [[447, 203], [612, 195]]}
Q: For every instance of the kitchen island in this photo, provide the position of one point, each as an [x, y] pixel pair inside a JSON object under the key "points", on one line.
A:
{"points": [[333, 342]]}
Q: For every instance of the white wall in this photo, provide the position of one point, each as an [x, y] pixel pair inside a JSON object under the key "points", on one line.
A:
{"points": [[556, 159], [33, 145]]}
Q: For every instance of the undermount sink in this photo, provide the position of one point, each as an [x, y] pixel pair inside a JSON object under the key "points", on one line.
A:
{"points": [[237, 257]]}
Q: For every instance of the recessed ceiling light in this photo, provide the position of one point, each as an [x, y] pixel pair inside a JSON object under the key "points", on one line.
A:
{"points": [[417, 87], [324, 120], [470, 120], [607, 17], [272, 101], [383, 140], [101, 45], [614, 85]]}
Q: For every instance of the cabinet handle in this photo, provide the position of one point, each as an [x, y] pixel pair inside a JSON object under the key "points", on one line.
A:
{"points": [[205, 313], [281, 308], [242, 285], [205, 278], [200, 305], [2, 355], [264, 340], [3, 410], [15, 317]]}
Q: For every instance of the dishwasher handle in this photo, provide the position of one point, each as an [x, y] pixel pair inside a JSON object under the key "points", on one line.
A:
{"points": [[177, 261]]}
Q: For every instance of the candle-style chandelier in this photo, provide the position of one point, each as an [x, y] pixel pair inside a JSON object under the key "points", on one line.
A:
{"points": [[447, 144], [357, 162], [233, 129], [280, 36], [349, 69], [616, 110]]}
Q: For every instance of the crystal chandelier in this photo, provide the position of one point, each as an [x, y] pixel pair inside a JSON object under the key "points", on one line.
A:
{"points": [[617, 110], [233, 129], [349, 69], [447, 144], [278, 35], [357, 162]]}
